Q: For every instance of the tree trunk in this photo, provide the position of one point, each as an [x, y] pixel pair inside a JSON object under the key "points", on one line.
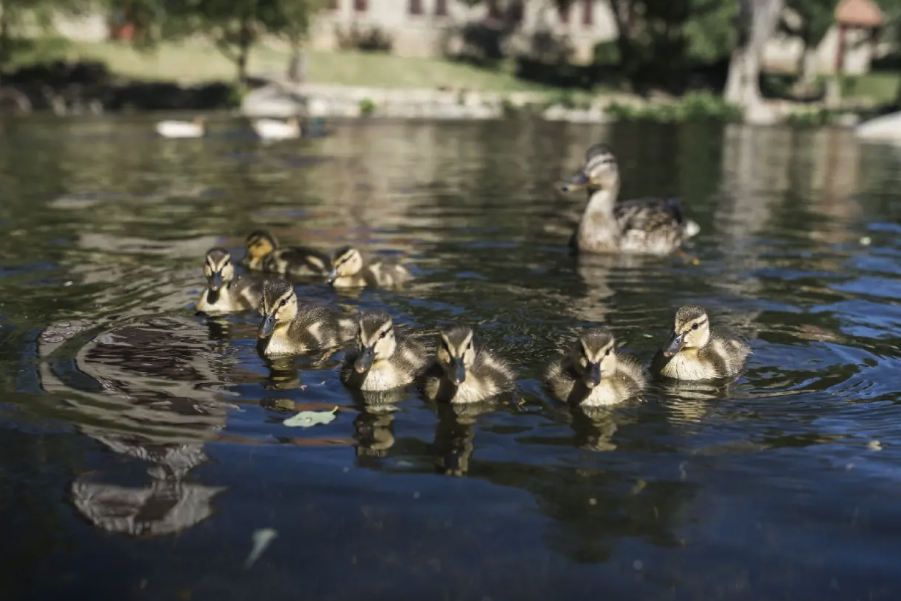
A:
{"points": [[244, 39], [757, 22], [297, 64], [807, 68]]}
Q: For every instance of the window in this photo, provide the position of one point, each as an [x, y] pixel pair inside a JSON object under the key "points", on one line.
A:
{"points": [[360, 6], [587, 12], [415, 7], [563, 12], [441, 8]]}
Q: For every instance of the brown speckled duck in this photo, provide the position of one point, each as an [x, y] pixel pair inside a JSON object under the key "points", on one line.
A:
{"points": [[647, 226], [351, 270]]}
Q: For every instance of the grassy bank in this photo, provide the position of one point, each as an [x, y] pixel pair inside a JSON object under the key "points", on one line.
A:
{"points": [[200, 62]]}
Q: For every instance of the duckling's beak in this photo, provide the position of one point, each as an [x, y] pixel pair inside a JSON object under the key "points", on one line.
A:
{"points": [[576, 182], [216, 281], [267, 326], [330, 279], [364, 361], [675, 345], [459, 371], [593, 376]]}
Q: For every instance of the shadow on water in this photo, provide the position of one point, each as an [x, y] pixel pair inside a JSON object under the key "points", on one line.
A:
{"points": [[141, 446]]}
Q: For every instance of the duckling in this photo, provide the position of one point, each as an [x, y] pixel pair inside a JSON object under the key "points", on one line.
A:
{"points": [[263, 253], [695, 352], [593, 374], [384, 359], [646, 226], [285, 330], [225, 292], [463, 372], [350, 270], [182, 129]]}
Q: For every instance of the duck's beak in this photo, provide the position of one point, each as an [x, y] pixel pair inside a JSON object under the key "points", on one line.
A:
{"points": [[675, 345], [364, 361], [459, 371], [330, 279], [267, 326], [592, 377], [575, 183], [216, 281]]}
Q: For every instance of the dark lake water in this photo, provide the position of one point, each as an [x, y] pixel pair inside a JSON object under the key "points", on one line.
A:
{"points": [[142, 447]]}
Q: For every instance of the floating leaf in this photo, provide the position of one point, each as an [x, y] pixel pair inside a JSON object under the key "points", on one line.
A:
{"points": [[306, 419], [261, 539]]}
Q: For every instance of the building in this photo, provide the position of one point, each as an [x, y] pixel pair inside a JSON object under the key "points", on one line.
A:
{"points": [[423, 28]]}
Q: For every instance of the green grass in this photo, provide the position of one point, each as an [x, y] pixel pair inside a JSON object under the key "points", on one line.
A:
{"points": [[197, 61], [877, 87]]}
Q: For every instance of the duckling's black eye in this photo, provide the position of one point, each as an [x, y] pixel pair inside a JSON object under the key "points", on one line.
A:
{"points": [[227, 262], [385, 333], [283, 302], [469, 346], [695, 326], [607, 354]]}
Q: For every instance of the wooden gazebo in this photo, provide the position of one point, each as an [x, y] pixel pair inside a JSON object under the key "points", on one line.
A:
{"points": [[854, 14]]}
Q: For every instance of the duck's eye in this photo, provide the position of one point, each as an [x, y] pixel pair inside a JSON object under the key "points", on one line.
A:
{"points": [[469, 346], [607, 354], [283, 302], [385, 333], [695, 326]]}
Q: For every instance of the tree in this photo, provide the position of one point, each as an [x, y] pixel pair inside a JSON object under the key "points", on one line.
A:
{"points": [[756, 23], [814, 18], [233, 26]]}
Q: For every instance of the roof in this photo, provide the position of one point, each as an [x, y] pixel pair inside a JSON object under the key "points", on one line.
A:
{"points": [[859, 13]]}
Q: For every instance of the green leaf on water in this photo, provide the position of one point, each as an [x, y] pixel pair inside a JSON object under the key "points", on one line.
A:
{"points": [[306, 419]]}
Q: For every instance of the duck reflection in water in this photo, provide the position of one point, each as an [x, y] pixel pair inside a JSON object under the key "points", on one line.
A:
{"points": [[455, 435], [142, 391], [373, 433], [594, 427]]}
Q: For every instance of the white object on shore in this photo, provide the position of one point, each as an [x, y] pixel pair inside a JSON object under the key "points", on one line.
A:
{"points": [[182, 129], [885, 128], [274, 129]]}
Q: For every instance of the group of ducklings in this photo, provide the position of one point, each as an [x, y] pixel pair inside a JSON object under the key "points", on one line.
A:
{"points": [[458, 369]]}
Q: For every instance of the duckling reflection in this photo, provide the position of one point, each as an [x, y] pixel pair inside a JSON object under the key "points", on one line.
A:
{"points": [[455, 436], [143, 391], [283, 374], [374, 431], [594, 427]]}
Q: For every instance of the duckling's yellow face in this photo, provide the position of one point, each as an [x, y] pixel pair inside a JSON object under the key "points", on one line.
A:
{"points": [[456, 353], [218, 268], [257, 246], [347, 262], [279, 306], [691, 330], [600, 171], [594, 356], [375, 339]]}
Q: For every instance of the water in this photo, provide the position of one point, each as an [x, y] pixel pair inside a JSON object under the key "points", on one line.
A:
{"points": [[141, 446]]}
